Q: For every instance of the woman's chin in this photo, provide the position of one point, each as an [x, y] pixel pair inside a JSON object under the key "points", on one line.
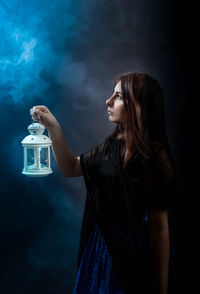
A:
{"points": [[112, 120]]}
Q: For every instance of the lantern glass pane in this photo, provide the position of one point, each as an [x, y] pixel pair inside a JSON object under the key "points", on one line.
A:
{"points": [[44, 157], [30, 158]]}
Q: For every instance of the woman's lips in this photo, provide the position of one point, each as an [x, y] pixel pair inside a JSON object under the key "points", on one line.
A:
{"points": [[110, 113]]}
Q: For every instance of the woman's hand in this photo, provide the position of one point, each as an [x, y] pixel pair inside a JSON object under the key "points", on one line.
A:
{"points": [[46, 117]]}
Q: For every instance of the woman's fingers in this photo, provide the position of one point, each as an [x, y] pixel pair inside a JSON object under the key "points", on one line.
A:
{"points": [[37, 112], [40, 107], [41, 113]]}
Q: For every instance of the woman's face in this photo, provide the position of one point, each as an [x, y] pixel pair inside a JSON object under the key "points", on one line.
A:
{"points": [[116, 107]]}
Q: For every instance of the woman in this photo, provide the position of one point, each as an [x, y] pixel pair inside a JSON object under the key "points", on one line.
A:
{"points": [[130, 179]]}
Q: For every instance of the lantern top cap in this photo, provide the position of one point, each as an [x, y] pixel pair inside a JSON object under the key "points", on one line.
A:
{"points": [[36, 129]]}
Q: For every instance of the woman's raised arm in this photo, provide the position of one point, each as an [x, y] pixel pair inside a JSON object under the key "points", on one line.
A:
{"points": [[68, 163]]}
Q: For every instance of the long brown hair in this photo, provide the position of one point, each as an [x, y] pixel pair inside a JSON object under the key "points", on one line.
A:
{"points": [[139, 91]]}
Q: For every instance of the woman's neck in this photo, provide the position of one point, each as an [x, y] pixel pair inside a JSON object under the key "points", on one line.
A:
{"points": [[120, 136]]}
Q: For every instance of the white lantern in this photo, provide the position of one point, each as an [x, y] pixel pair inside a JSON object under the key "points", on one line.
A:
{"points": [[36, 152]]}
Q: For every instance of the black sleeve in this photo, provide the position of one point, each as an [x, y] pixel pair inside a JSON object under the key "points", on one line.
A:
{"points": [[160, 182], [86, 165], [88, 161]]}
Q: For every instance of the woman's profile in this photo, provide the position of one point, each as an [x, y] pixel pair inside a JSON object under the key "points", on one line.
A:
{"points": [[131, 183]]}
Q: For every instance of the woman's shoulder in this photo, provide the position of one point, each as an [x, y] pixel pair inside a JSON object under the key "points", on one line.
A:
{"points": [[100, 147], [106, 145]]}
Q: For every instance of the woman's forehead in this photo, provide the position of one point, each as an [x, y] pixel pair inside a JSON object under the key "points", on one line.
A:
{"points": [[118, 87]]}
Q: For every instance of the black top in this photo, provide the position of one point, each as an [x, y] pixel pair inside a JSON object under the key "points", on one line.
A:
{"points": [[118, 198]]}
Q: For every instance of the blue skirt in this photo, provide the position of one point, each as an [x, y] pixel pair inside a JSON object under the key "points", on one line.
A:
{"points": [[96, 274]]}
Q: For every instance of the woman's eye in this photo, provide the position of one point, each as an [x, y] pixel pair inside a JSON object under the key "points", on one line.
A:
{"points": [[118, 96]]}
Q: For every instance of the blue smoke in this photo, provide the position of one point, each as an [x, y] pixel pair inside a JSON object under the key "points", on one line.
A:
{"points": [[31, 45]]}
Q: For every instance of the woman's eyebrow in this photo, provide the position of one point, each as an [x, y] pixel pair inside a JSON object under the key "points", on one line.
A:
{"points": [[118, 92]]}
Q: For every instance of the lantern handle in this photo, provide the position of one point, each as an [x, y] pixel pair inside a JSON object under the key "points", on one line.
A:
{"points": [[39, 118], [32, 113]]}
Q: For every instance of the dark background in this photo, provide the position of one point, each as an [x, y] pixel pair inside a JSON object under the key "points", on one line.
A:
{"points": [[65, 55]]}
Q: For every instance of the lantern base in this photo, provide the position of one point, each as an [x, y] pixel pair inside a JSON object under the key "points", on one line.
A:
{"points": [[37, 173]]}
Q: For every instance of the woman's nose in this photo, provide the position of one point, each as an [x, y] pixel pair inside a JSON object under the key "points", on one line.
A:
{"points": [[109, 101]]}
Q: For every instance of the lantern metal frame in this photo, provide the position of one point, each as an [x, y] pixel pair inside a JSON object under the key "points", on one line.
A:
{"points": [[36, 141]]}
